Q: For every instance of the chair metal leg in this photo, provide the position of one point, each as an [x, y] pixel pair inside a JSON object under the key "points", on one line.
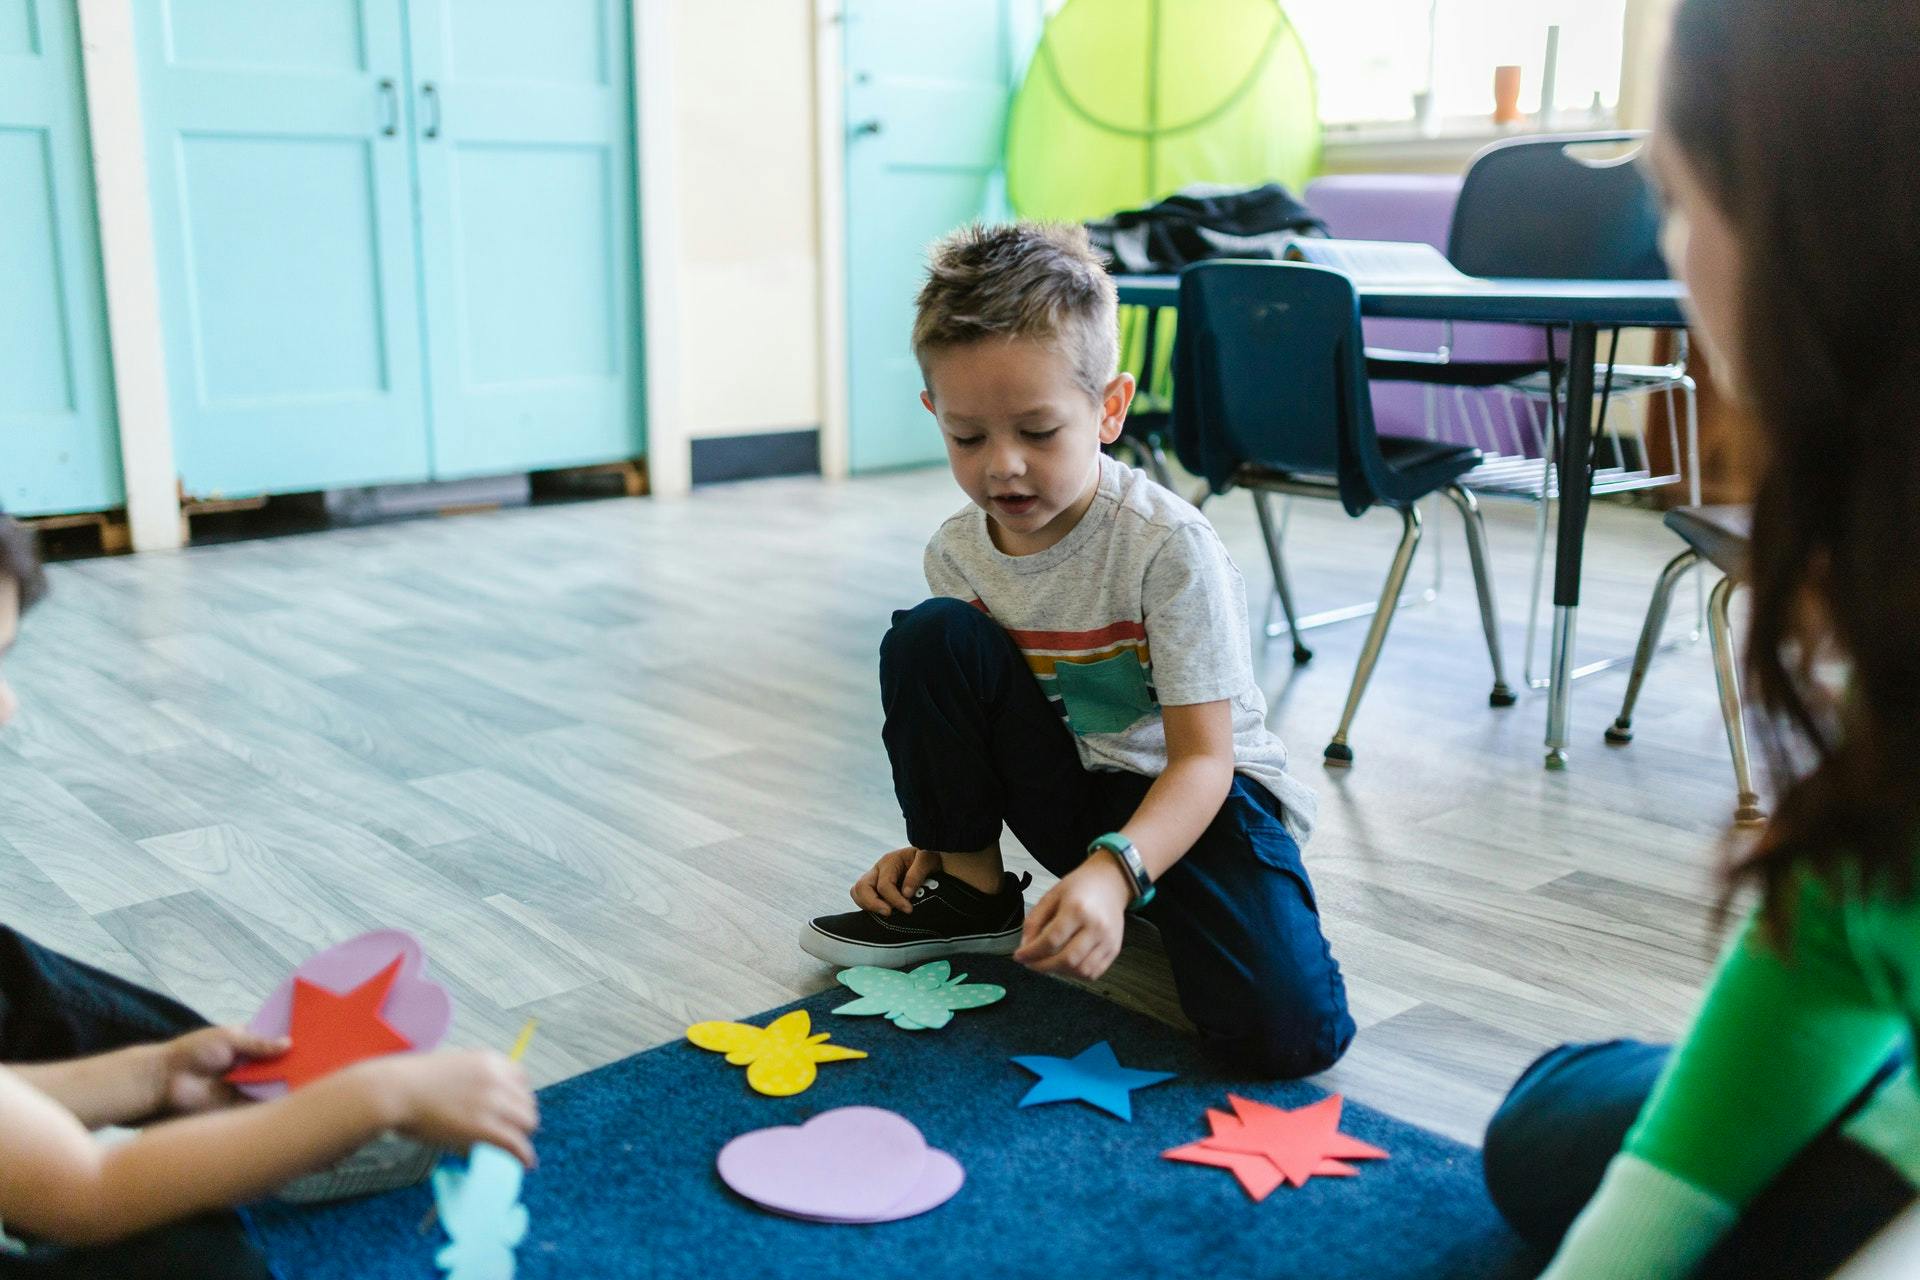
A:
{"points": [[1726, 674], [1620, 732], [1156, 462], [1270, 532], [1692, 395], [1543, 519], [1338, 753], [1502, 694]]}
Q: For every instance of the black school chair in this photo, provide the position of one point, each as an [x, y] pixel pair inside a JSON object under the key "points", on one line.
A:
{"points": [[1270, 395], [1534, 209], [1560, 207], [1719, 536]]}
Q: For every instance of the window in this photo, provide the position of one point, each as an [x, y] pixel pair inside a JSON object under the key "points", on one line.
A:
{"points": [[1378, 60]]}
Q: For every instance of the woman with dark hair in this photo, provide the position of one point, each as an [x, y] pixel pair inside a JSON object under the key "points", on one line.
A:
{"points": [[1785, 1129]]}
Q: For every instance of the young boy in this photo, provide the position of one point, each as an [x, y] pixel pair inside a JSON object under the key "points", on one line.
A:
{"points": [[86, 1050], [1083, 675]]}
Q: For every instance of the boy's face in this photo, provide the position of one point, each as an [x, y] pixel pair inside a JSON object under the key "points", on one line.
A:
{"points": [[9, 628], [1023, 435]]}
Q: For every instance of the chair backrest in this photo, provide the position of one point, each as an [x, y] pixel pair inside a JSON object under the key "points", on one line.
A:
{"points": [[1419, 208], [1269, 369], [1543, 209]]}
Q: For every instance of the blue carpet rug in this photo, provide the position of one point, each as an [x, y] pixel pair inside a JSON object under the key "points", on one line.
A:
{"points": [[627, 1185]]}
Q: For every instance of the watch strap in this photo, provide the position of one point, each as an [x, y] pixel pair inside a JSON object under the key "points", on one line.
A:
{"points": [[1130, 861]]}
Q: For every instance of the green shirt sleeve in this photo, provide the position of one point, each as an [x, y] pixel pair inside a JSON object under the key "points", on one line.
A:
{"points": [[1782, 1044], [1641, 1223]]}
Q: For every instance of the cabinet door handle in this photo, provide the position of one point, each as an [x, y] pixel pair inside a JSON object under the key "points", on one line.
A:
{"points": [[389, 108], [431, 97]]}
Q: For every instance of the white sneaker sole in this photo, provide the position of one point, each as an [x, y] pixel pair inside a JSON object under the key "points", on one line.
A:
{"points": [[387, 1163], [902, 955]]}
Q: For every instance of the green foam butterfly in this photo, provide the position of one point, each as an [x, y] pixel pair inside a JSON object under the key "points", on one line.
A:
{"points": [[923, 1000]]}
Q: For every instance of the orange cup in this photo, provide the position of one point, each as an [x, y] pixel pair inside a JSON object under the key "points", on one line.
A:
{"points": [[1506, 94]]}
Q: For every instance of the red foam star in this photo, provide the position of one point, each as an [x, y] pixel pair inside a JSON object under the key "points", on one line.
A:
{"points": [[330, 1032], [1265, 1145]]}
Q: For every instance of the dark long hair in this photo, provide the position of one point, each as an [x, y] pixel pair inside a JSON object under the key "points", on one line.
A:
{"points": [[20, 562], [1802, 120]]}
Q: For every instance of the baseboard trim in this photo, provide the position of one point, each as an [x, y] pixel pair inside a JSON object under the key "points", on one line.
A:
{"points": [[756, 456]]}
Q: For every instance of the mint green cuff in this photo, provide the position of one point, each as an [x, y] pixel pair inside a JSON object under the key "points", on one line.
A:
{"points": [[1642, 1224], [1889, 1125]]}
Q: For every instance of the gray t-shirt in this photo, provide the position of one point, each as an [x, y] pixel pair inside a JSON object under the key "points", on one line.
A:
{"points": [[1139, 606]]}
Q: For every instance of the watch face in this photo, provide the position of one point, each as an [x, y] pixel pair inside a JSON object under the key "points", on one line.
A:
{"points": [[1128, 856]]}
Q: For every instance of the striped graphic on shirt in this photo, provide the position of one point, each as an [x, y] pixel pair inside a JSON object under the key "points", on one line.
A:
{"points": [[1100, 693]]}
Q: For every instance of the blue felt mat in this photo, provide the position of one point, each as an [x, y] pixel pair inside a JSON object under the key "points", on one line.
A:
{"points": [[627, 1185]]}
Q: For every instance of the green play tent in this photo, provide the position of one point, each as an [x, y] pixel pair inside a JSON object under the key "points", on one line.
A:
{"points": [[1126, 101]]}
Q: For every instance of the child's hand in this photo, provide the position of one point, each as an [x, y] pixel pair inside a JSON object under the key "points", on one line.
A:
{"points": [[1078, 926], [191, 1066], [891, 883], [456, 1098]]}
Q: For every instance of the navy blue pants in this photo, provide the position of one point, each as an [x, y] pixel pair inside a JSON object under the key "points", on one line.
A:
{"points": [[975, 744], [53, 1008], [1568, 1115]]}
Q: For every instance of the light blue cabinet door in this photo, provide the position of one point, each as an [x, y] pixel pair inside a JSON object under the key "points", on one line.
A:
{"points": [[928, 83], [58, 448], [278, 156], [522, 126]]}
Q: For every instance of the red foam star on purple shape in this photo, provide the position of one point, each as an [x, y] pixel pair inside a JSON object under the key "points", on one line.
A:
{"points": [[329, 1031]]}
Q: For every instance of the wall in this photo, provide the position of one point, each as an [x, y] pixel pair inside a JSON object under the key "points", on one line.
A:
{"points": [[1647, 23], [748, 244], [748, 238], [734, 285]]}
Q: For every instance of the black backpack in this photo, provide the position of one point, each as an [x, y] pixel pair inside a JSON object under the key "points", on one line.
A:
{"points": [[1201, 222]]}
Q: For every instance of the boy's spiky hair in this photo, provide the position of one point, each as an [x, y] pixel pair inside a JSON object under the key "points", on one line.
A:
{"points": [[20, 562], [1021, 280]]}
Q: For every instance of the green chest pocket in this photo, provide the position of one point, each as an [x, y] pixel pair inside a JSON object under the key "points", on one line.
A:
{"points": [[1108, 696]]}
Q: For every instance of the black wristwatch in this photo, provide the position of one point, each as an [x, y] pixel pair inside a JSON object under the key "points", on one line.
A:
{"points": [[1130, 861]]}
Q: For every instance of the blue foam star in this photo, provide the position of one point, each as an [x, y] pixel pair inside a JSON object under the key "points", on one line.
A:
{"points": [[1094, 1076]]}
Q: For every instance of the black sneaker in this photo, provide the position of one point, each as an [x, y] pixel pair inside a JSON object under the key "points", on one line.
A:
{"points": [[950, 918]]}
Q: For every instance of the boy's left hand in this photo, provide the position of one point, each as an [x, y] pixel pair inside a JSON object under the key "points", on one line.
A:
{"points": [[1078, 926], [192, 1066]]}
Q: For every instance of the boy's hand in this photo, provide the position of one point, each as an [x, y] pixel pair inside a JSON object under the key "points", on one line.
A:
{"points": [[191, 1066], [1078, 926], [455, 1098], [890, 885]]}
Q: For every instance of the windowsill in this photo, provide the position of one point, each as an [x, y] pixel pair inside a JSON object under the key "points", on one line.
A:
{"points": [[1352, 148]]}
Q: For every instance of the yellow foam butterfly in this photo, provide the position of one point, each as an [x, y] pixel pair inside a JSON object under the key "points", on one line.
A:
{"points": [[780, 1057]]}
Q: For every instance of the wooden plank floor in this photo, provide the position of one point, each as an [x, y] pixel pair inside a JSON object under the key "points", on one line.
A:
{"points": [[604, 757]]}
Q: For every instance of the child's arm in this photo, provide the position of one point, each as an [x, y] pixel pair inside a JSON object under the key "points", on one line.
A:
{"points": [[1185, 799], [128, 1085], [1078, 926], [56, 1181]]}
